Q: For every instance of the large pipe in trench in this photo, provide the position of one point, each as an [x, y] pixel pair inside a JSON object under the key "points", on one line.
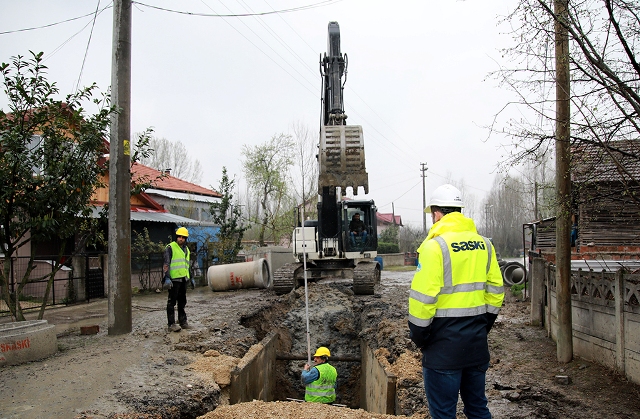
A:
{"points": [[303, 357], [233, 276]]}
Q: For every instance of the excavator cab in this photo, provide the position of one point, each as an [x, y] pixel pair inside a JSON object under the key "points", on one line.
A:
{"points": [[359, 227]]}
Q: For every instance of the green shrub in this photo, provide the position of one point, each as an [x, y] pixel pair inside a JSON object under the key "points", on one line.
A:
{"points": [[516, 290], [385, 248]]}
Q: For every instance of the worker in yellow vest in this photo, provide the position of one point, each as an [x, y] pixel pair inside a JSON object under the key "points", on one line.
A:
{"points": [[320, 381], [455, 297], [176, 276]]}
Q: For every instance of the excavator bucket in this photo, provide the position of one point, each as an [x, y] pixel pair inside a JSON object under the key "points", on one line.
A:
{"points": [[341, 158]]}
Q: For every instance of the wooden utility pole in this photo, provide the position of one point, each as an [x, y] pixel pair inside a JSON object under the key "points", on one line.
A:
{"points": [[424, 198], [563, 185], [119, 264]]}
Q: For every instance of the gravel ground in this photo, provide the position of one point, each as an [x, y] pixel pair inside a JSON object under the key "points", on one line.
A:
{"points": [[152, 374]]}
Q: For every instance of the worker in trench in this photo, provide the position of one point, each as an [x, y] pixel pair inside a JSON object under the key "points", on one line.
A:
{"points": [[456, 294], [320, 380]]}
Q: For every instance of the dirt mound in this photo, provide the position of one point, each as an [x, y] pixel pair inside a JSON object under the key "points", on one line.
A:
{"points": [[290, 410]]}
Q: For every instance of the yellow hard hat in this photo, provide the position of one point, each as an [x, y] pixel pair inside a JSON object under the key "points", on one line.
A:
{"points": [[322, 351], [182, 232]]}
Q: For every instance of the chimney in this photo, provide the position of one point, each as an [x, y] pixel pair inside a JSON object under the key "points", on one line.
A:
{"points": [[167, 171]]}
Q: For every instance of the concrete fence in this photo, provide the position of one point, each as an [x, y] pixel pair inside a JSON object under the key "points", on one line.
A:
{"points": [[605, 310], [392, 259]]}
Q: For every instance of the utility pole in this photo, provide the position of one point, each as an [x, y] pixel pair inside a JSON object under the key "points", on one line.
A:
{"points": [[487, 222], [119, 277], [424, 198], [563, 184]]}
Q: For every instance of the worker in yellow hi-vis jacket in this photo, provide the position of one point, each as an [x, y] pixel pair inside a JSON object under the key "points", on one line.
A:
{"points": [[455, 297]]}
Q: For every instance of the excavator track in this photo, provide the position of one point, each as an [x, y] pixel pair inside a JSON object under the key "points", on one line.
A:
{"points": [[284, 279], [366, 275]]}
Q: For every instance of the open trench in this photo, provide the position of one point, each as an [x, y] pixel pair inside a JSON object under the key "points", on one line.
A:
{"points": [[334, 322]]}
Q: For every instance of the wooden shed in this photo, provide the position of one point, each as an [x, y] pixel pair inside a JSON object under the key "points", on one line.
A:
{"points": [[605, 204]]}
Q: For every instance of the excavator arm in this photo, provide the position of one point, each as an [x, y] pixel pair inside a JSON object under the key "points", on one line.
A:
{"points": [[341, 152]]}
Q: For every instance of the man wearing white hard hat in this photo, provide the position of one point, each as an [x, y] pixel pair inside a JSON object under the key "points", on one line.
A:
{"points": [[456, 294], [176, 276]]}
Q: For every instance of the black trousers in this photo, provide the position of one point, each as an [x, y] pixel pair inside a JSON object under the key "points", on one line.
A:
{"points": [[177, 294]]}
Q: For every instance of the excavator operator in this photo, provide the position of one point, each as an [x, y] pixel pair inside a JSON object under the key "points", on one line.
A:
{"points": [[357, 228]]}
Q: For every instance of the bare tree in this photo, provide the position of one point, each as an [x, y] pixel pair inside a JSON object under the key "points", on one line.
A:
{"points": [[305, 167], [505, 214], [605, 81], [266, 168], [410, 238], [174, 156]]}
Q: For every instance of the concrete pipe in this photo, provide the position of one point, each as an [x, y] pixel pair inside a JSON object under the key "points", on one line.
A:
{"points": [[513, 273], [26, 341], [239, 275]]}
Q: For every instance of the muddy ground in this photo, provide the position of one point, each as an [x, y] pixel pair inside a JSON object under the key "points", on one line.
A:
{"points": [[152, 374]]}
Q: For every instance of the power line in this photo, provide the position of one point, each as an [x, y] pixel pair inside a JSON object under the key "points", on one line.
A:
{"points": [[262, 51], [294, 9], [409, 190], [86, 51], [56, 23]]}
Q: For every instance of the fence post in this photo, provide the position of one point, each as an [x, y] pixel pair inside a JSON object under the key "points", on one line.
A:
{"points": [[620, 335], [53, 284], [537, 291], [547, 281]]}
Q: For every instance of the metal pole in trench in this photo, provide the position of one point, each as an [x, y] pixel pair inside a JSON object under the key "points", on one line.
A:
{"points": [[306, 289]]}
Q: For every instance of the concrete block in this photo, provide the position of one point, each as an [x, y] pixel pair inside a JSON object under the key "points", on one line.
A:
{"points": [[26, 341]]}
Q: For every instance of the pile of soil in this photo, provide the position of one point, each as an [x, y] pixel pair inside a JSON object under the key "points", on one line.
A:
{"points": [[153, 374]]}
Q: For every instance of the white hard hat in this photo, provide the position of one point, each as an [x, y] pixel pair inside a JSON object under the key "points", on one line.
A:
{"points": [[445, 196]]}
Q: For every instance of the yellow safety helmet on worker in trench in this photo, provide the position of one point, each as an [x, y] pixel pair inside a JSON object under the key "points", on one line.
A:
{"points": [[322, 351], [182, 232]]}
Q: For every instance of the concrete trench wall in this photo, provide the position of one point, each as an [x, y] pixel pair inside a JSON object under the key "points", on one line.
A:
{"points": [[254, 376], [605, 314], [378, 388]]}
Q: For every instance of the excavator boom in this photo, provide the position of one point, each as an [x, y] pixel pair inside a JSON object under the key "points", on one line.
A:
{"points": [[341, 155]]}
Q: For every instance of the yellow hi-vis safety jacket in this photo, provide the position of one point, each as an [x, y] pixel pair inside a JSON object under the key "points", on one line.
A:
{"points": [[179, 266], [456, 294], [322, 390]]}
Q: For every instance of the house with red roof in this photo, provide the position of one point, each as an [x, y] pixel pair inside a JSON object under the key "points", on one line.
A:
{"points": [[386, 220]]}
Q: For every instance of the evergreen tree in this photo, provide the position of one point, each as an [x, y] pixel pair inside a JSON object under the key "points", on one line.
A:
{"points": [[228, 217]]}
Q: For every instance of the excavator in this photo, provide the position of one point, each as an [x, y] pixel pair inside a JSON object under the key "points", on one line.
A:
{"points": [[331, 251]]}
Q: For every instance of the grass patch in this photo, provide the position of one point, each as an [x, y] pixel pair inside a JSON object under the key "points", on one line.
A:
{"points": [[400, 268]]}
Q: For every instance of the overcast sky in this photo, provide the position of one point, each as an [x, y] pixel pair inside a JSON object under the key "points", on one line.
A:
{"points": [[416, 79]]}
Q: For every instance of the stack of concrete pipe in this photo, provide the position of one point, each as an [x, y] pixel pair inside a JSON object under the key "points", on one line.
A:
{"points": [[254, 274]]}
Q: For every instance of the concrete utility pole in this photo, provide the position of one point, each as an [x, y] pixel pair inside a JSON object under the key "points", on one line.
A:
{"points": [[119, 264], [424, 198], [563, 184]]}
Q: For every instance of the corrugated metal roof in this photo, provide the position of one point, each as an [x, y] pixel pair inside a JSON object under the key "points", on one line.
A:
{"points": [[155, 216], [182, 196], [162, 217]]}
